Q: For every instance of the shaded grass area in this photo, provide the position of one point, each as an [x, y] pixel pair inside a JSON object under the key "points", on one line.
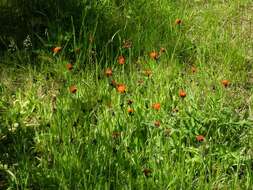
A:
{"points": [[51, 138]]}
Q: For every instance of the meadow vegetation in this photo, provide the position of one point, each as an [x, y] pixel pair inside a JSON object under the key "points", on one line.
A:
{"points": [[131, 94]]}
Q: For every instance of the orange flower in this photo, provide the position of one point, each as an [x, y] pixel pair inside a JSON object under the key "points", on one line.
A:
{"points": [[156, 106], [121, 60], [147, 172], [57, 49], [157, 123], [200, 138], [121, 88], [178, 21], [130, 111], [194, 69], [73, 89], [182, 93], [69, 66], [154, 55], [148, 72], [108, 72], [225, 83]]}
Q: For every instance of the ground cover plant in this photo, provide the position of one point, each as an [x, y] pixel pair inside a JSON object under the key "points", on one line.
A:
{"points": [[130, 95]]}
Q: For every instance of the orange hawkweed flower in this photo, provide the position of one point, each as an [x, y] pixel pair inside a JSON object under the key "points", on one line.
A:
{"points": [[182, 93], [154, 55], [108, 72], [57, 49], [178, 21], [157, 123], [130, 111], [69, 66], [225, 83], [121, 88], [156, 106], [193, 69], [121, 60], [200, 138], [147, 172], [73, 89], [148, 72]]}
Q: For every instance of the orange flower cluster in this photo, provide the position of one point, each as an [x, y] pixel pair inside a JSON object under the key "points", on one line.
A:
{"points": [[73, 89], [156, 106], [57, 49], [121, 60], [154, 55], [200, 138]]}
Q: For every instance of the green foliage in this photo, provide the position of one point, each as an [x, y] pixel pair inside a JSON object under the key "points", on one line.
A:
{"points": [[54, 138]]}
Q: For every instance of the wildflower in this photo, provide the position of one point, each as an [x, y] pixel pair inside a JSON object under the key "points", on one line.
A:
{"points": [[156, 106], [130, 111], [148, 72], [121, 60], [193, 69], [57, 49], [27, 43], [225, 83], [200, 138], [73, 89], [121, 88], [182, 93], [178, 21], [154, 55], [69, 66], [147, 172], [157, 123], [108, 72]]}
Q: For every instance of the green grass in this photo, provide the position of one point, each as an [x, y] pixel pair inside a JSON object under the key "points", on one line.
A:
{"points": [[51, 138]]}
